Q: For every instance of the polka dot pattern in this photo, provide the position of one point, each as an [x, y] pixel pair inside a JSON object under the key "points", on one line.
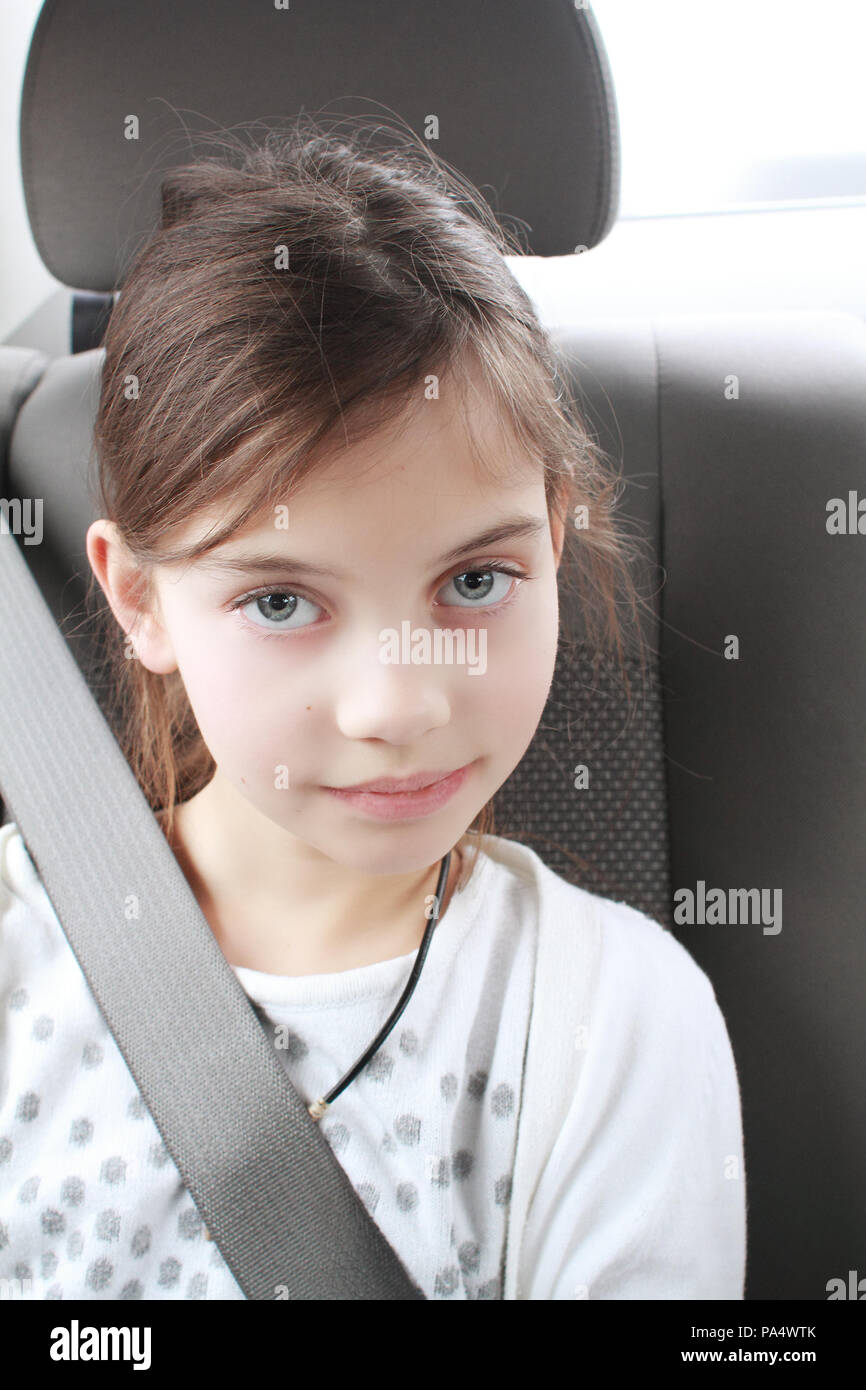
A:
{"points": [[108, 1225], [72, 1191], [140, 1243], [81, 1132], [408, 1129], [29, 1189], [91, 1199], [28, 1107]]}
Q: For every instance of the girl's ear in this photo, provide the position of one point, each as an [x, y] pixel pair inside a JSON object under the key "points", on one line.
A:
{"points": [[125, 586]]}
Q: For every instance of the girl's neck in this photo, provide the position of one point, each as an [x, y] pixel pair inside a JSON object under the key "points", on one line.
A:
{"points": [[285, 916]]}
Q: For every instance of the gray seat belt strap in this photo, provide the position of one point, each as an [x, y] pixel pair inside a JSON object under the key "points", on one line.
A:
{"points": [[273, 1196]]}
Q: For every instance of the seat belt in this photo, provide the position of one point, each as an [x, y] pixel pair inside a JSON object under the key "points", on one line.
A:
{"points": [[272, 1195]]}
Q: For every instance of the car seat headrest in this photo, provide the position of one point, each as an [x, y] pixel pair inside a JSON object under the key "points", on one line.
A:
{"points": [[521, 90]]}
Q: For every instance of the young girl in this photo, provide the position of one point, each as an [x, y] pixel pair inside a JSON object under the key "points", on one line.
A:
{"points": [[331, 429]]}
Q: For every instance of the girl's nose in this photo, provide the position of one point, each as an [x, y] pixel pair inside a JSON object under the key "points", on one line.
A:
{"points": [[398, 702]]}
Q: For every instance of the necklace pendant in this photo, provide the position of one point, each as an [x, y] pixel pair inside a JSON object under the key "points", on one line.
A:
{"points": [[318, 1108]]}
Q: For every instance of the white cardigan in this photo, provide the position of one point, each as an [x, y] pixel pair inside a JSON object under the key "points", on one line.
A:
{"points": [[644, 1121]]}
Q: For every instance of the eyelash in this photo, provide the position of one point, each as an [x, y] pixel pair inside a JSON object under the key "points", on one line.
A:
{"points": [[260, 630]]}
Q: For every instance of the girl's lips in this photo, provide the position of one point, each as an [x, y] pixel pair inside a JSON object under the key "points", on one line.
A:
{"points": [[415, 783], [403, 805]]}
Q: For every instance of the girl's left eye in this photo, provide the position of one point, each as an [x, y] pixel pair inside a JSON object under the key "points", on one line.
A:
{"points": [[275, 608], [468, 580]]}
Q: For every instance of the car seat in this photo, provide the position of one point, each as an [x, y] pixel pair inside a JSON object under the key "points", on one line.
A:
{"points": [[733, 433]]}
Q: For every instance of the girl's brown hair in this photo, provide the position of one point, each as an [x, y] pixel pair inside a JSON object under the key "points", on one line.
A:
{"points": [[296, 286]]}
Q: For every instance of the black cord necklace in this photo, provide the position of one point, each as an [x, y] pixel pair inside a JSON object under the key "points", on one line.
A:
{"points": [[318, 1107]]}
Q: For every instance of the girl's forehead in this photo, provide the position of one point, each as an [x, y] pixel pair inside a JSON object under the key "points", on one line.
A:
{"points": [[439, 461], [394, 505], [348, 531]]}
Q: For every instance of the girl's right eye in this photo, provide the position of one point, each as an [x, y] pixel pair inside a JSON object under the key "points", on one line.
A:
{"points": [[273, 609]]}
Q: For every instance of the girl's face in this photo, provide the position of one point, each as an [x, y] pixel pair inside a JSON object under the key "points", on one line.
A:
{"points": [[302, 680]]}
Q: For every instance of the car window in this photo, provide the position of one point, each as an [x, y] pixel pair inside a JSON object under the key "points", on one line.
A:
{"points": [[748, 103]]}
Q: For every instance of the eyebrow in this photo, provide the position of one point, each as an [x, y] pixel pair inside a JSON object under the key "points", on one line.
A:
{"points": [[252, 563]]}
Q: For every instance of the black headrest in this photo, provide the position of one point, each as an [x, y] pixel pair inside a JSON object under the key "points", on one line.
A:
{"points": [[521, 91]]}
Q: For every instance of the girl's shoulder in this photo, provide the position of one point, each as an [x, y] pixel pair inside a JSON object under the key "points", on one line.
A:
{"points": [[626, 1035], [626, 941]]}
